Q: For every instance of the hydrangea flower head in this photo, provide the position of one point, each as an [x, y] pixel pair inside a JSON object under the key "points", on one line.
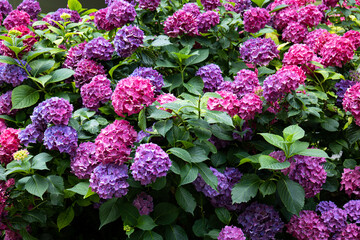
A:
{"points": [[16, 18], [165, 98], [109, 180], [149, 5], [322, 39], [5, 8], [31, 134], [127, 40], [21, 155], [84, 161], [61, 138], [144, 203], [192, 8], [294, 32], [245, 82], [353, 36], [114, 142], [99, 49], [56, 111], [57, 16], [259, 51], [6, 105], [131, 95], [255, 19], [334, 219], [181, 23], [337, 51], [352, 209], [260, 221], [211, 75], [210, 4], [120, 12], [150, 163], [96, 92], [207, 20], [310, 15], [341, 88], [229, 103], [351, 231], [32, 7], [101, 21], [242, 5], [284, 17], [13, 74], [155, 77], [298, 54], [9, 144], [324, 206], [74, 56], [312, 36], [351, 103], [249, 105], [2, 124], [231, 233], [330, 3], [85, 71]]}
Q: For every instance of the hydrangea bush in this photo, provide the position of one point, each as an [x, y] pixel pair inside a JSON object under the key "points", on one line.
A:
{"points": [[231, 119]]}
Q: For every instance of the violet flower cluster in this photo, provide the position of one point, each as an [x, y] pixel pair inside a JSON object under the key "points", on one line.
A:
{"points": [[210, 4], [85, 71], [6, 105], [259, 51], [120, 12], [98, 49], [231, 233], [97, 92], [127, 40], [181, 23], [16, 18], [211, 75], [84, 161], [192, 8], [57, 16], [101, 22], [350, 181], [150, 5], [61, 138], [255, 19], [74, 56], [352, 209], [294, 32], [207, 20], [5, 8], [351, 102], [341, 88], [284, 17], [13, 74], [32, 7], [334, 219], [144, 203], [324, 206], [155, 77]]}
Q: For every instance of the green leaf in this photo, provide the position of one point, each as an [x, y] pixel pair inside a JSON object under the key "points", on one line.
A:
{"points": [[349, 163], [218, 117], [75, 5], [195, 85], [39, 161], [181, 153], [293, 133], [188, 174], [224, 215], [297, 147], [129, 213], [279, 7], [313, 153], [163, 126], [161, 40], [246, 189], [202, 55], [142, 119], [42, 80], [37, 185], [175, 232], [165, 64], [291, 194], [207, 175], [56, 184], [330, 124], [8, 60], [146, 223], [273, 139], [24, 96], [260, 3], [92, 126], [267, 162], [165, 213], [80, 188], [109, 211], [198, 154], [35, 216], [159, 114], [65, 218], [267, 188], [41, 65], [60, 75], [185, 200], [150, 235]]}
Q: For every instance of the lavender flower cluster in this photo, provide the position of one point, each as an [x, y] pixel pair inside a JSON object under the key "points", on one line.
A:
{"points": [[155, 77], [259, 51], [211, 75]]}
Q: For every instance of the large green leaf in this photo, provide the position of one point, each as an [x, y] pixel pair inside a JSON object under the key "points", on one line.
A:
{"points": [[199, 56], [165, 213], [267, 188], [41, 65], [313, 153], [146, 223], [109, 211], [207, 175], [81, 188], [175, 232], [291, 194], [39, 161], [224, 215], [129, 213], [60, 75], [75, 5], [37, 185], [181, 153], [65, 218], [188, 174], [24, 96], [273, 139], [246, 189], [267, 162], [185, 200], [293, 133]]}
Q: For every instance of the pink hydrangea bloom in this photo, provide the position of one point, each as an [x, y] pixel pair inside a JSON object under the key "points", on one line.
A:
{"points": [[310, 15], [354, 36], [351, 231], [84, 161], [210, 4], [294, 32], [192, 8], [16, 18], [249, 105], [74, 56], [284, 17], [9, 144], [330, 3], [337, 51], [322, 39], [114, 142], [298, 54], [165, 98], [228, 103], [350, 181], [181, 23], [255, 19], [311, 37], [297, 70], [87, 69], [101, 22], [96, 92], [231, 233], [150, 5], [351, 102], [131, 95], [207, 20]]}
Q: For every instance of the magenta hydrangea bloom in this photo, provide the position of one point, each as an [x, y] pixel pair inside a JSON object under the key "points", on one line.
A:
{"points": [[351, 231], [131, 95], [284, 17], [311, 37], [207, 20], [211, 75], [32, 7], [229, 103], [16, 18], [350, 179], [310, 15], [109, 180], [85, 71], [210, 4], [9, 144], [352, 208], [56, 16], [353, 36], [96, 92], [6, 105], [5, 8], [307, 225], [149, 5], [150, 163], [181, 23], [13, 74], [120, 12], [245, 81], [155, 77], [334, 219], [330, 3], [74, 56], [259, 51], [4, 195], [294, 32], [249, 105], [298, 54], [255, 19], [322, 39], [101, 21], [324, 206], [192, 8], [165, 98], [61, 138], [2, 124], [56, 111], [114, 142], [260, 221], [31, 134], [231, 233], [337, 51], [99, 49], [351, 102], [144, 203], [127, 40], [295, 69], [84, 161]]}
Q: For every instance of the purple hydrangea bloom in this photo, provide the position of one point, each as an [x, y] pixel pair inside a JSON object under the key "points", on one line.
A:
{"points": [[294, 32], [149, 4], [13, 74], [32, 7], [61, 138], [352, 208], [16, 18], [260, 221], [99, 49], [259, 51], [244, 82], [86, 70], [192, 8], [324, 206], [84, 161], [5, 104], [109, 180], [211, 75], [255, 19], [334, 219], [155, 77], [5, 8], [311, 37], [142, 134], [120, 12], [341, 88], [242, 5], [96, 92], [144, 203], [55, 111], [351, 231], [101, 22], [231, 233], [330, 3], [181, 23], [207, 20], [56, 16], [284, 17], [354, 75], [210, 4], [127, 40], [31, 134], [74, 56], [150, 163], [246, 135]]}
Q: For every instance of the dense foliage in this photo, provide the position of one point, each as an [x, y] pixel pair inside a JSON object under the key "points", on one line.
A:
{"points": [[183, 120]]}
